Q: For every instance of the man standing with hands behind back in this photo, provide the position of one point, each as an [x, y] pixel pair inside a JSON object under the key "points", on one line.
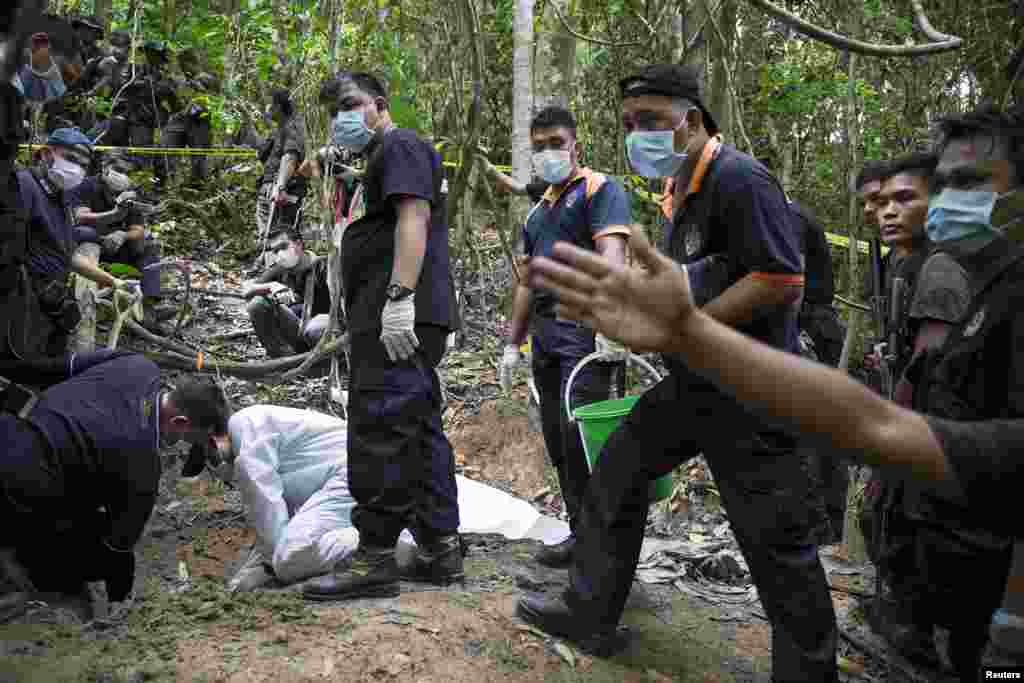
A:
{"points": [[398, 298]]}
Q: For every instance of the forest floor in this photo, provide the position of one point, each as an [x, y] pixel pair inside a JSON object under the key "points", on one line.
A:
{"points": [[679, 625]]}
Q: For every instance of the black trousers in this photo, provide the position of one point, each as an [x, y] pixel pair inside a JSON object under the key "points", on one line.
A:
{"points": [[40, 519], [401, 468], [557, 348], [768, 490], [186, 131]]}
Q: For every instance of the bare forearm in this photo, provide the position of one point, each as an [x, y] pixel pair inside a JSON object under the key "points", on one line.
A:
{"points": [[286, 170], [812, 398], [102, 220], [410, 241], [747, 300], [87, 270], [520, 322]]}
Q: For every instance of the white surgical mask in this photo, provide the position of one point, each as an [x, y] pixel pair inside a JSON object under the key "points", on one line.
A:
{"points": [[65, 175], [289, 258], [350, 130], [957, 214], [652, 153], [553, 165]]}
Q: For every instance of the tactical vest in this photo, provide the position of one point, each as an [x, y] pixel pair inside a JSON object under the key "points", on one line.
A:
{"points": [[970, 378]]}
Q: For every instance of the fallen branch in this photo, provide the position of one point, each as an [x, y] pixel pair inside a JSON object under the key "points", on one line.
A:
{"points": [[250, 371], [850, 591], [205, 292], [144, 334], [324, 349], [943, 42]]}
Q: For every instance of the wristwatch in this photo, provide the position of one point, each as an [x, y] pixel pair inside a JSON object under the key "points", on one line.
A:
{"points": [[397, 292]]}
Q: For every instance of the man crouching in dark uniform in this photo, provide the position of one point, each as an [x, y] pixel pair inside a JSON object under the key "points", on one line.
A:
{"points": [[80, 469]]}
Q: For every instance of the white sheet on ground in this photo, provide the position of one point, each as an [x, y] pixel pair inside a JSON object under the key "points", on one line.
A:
{"points": [[292, 472]]}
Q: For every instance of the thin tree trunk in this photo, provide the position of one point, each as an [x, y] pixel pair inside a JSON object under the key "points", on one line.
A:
{"points": [[522, 104]]}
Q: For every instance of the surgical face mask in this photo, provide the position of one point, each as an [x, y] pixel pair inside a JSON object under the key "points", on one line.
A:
{"points": [[553, 165], [65, 175], [289, 258], [957, 214], [350, 130], [652, 153], [116, 181]]}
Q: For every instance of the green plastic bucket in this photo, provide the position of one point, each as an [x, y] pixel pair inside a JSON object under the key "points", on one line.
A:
{"points": [[597, 421]]}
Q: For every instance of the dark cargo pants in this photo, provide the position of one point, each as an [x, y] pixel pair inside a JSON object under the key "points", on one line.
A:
{"points": [[557, 348], [401, 468], [768, 490]]}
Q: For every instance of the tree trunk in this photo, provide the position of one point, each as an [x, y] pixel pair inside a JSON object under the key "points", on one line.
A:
{"points": [[555, 61], [84, 338], [102, 11], [279, 38], [522, 105], [721, 103], [853, 540]]}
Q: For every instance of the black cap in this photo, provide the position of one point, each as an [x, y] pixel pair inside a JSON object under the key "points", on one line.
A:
{"points": [[669, 80], [91, 21]]}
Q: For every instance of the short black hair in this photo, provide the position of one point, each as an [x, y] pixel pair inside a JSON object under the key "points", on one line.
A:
{"points": [[366, 82], [988, 120], [553, 117], [204, 403], [282, 99], [286, 230], [920, 164], [872, 171]]}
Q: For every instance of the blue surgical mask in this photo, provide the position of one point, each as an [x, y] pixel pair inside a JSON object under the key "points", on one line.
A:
{"points": [[553, 165], [958, 214], [65, 174], [350, 130], [652, 153]]}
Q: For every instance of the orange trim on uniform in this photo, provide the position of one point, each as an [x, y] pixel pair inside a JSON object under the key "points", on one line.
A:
{"points": [[710, 151], [784, 279], [614, 230], [551, 197]]}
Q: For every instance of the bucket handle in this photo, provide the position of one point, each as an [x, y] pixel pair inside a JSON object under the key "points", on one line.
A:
{"points": [[595, 356]]}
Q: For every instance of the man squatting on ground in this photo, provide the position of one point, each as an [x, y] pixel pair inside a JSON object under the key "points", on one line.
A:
{"points": [[963, 437], [80, 468], [741, 245]]}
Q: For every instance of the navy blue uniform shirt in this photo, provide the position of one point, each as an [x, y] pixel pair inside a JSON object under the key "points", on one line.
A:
{"points": [[102, 426], [572, 216], [400, 165], [737, 222], [51, 241]]}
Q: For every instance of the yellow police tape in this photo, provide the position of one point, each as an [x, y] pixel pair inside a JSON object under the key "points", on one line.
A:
{"points": [[230, 152], [245, 153]]}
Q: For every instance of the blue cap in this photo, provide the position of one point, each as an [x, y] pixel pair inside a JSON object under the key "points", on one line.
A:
{"points": [[69, 137]]}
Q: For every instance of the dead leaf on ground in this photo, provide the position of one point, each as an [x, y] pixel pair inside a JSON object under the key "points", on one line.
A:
{"points": [[566, 653]]}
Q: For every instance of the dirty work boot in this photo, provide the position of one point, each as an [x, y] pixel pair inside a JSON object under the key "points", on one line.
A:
{"points": [[439, 562], [369, 573], [553, 615], [558, 556]]}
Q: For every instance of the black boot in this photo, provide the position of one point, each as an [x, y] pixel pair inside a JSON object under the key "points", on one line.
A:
{"points": [[369, 573], [558, 556], [553, 615], [439, 562]]}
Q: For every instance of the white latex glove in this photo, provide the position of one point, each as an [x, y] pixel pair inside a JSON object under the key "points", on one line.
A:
{"points": [[510, 358], [610, 349], [113, 242], [398, 322], [285, 297], [126, 197]]}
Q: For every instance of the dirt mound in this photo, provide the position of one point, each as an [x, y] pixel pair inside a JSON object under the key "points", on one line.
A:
{"points": [[498, 446]]}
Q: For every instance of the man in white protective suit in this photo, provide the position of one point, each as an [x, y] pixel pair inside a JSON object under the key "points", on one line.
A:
{"points": [[291, 468]]}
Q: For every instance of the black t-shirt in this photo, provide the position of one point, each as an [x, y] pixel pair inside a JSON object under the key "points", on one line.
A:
{"points": [[819, 288], [91, 195], [296, 279], [289, 138], [739, 223], [535, 190], [399, 165], [988, 460]]}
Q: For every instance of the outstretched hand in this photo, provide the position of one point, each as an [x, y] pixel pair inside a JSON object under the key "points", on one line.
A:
{"points": [[645, 309]]}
